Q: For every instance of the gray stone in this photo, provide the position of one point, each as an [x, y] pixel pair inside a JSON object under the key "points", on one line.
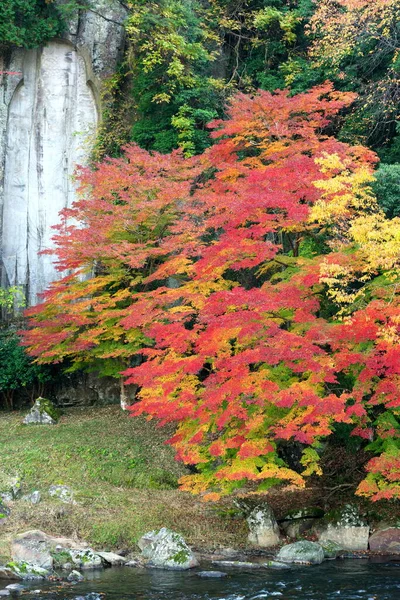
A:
{"points": [[32, 547], [132, 563], [112, 559], [8, 574], [63, 493], [386, 540], [10, 487], [85, 559], [274, 564], [331, 549], [346, 527], [264, 530], [298, 527], [29, 571], [43, 412], [236, 564], [7, 497], [38, 548], [75, 576], [16, 587], [211, 574], [166, 549], [33, 498], [297, 522], [304, 552]]}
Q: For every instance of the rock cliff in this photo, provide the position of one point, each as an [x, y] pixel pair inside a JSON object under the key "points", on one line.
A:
{"points": [[49, 110]]}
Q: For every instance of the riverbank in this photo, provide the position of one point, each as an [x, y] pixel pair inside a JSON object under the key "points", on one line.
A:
{"points": [[124, 481], [123, 476]]}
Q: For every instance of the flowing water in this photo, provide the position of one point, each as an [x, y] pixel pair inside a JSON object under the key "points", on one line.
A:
{"points": [[341, 580]]}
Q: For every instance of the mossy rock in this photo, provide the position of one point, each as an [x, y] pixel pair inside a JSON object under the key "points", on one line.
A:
{"points": [[43, 412]]}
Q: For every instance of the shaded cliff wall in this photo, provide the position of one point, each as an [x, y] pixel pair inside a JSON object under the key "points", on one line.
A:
{"points": [[49, 110]]}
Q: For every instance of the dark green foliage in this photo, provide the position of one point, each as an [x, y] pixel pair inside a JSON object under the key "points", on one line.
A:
{"points": [[19, 375], [387, 189], [31, 23]]}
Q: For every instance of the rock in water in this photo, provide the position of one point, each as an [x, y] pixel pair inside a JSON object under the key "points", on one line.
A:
{"points": [[345, 527], [43, 412], [211, 574], [264, 530], [166, 549], [304, 552], [8, 574], [112, 559], [385, 540]]}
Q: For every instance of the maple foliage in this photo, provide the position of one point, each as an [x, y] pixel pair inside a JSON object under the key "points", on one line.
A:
{"points": [[221, 275]]}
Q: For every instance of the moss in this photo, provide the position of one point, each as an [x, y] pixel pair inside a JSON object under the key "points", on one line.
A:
{"points": [[46, 406], [61, 558], [180, 557]]}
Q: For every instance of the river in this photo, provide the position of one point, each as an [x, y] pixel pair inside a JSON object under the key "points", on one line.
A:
{"points": [[340, 579]]}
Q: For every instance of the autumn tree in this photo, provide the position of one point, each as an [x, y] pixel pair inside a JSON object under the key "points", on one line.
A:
{"points": [[359, 39], [107, 243], [246, 285]]}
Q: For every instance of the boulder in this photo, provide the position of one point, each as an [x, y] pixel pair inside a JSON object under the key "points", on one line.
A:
{"points": [[38, 548], [63, 493], [75, 576], [43, 412], [28, 571], [385, 540], [346, 527], [112, 559], [331, 549], [304, 552], [8, 574], [16, 588], [85, 559], [297, 522], [264, 530], [166, 549], [32, 547]]}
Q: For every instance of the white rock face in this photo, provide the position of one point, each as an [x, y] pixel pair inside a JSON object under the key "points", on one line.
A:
{"points": [[51, 121], [49, 111]]}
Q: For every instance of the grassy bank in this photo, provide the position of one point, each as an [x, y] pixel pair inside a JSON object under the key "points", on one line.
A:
{"points": [[123, 475]]}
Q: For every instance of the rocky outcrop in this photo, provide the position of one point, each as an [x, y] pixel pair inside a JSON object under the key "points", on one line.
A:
{"points": [[166, 549], [49, 110], [264, 530]]}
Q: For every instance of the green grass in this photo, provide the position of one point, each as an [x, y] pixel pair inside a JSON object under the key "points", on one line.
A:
{"points": [[124, 477]]}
